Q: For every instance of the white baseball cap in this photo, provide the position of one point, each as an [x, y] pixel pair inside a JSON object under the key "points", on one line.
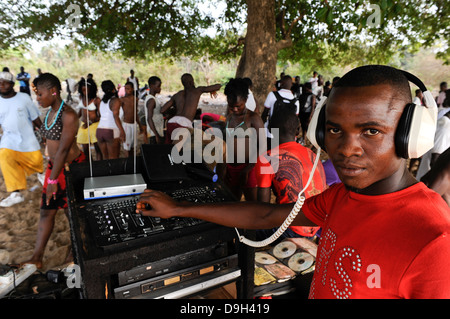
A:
{"points": [[7, 76]]}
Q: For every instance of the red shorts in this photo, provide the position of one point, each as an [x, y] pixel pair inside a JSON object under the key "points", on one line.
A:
{"points": [[170, 128], [233, 175], [61, 198]]}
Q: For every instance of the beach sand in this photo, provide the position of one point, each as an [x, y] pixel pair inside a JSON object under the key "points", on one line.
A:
{"points": [[18, 228]]}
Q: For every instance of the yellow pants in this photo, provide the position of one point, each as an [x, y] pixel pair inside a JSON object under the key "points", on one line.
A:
{"points": [[84, 133], [17, 166]]}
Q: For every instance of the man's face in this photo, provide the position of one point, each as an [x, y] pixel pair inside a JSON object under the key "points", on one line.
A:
{"points": [[6, 87], [360, 128], [129, 90], [157, 87]]}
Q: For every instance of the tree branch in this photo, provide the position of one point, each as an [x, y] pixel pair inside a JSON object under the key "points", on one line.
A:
{"points": [[241, 41], [286, 41]]}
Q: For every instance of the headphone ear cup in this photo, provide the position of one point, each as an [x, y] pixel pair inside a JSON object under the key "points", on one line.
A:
{"points": [[316, 127], [402, 134]]}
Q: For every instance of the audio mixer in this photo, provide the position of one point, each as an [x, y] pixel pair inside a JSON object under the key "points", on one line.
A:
{"points": [[115, 222]]}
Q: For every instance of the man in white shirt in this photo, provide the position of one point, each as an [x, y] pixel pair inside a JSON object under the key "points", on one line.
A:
{"points": [[285, 92], [20, 152], [135, 81], [418, 99], [314, 81], [441, 97]]}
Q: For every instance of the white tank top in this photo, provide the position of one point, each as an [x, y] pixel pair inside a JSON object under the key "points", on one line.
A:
{"points": [[107, 117], [158, 118]]}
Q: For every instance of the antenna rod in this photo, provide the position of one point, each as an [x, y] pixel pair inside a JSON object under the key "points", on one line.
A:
{"points": [[135, 132], [89, 128]]}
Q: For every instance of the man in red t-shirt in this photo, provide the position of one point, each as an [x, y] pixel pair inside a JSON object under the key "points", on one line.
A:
{"points": [[285, 169], [385, 235]]}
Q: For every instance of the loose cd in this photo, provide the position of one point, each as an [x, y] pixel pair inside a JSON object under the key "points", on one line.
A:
{"points": [[284, 250], [264, 258], [300, 261]]}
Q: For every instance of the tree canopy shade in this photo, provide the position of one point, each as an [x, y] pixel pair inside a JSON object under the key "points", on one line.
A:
{"points": [[131, 27], [261, 32]]}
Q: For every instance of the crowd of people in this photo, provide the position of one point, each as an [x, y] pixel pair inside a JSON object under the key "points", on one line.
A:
{"points": [[109, 123]]}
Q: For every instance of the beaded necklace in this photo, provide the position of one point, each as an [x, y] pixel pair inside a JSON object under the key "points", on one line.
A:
{"points": [[57, 114]]}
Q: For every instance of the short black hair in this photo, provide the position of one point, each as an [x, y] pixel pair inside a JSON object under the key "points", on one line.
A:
{"points": [[286, 121], [369, 75], [249, 82], [286, 82], [153, 80], [130, 84], [236, 87], [187, 79], [109, 89], [48, 80]]}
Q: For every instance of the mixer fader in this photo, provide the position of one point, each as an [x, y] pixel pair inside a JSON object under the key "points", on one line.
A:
{"points": [[115, 221]]}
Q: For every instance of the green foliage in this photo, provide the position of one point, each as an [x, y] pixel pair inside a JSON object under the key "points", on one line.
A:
{"points": [[322, 32], [135, 28], [70, 62], [348, 27]]}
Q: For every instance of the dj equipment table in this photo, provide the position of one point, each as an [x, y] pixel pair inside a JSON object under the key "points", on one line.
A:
{"points": [[124, 255]]}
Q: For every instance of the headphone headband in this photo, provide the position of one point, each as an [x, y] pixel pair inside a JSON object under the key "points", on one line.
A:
{"points": [[414, 79], [415, 132]]}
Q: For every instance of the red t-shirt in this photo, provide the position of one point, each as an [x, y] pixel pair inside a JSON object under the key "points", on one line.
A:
{"points": [[389, 246], [288, 175]]}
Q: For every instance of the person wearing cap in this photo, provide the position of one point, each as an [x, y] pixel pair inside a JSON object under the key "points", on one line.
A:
{"points": [[20, 152]]}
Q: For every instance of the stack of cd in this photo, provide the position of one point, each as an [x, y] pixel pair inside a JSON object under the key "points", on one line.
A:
{"points": [[269, 269], [285, 261], [296, 259]]}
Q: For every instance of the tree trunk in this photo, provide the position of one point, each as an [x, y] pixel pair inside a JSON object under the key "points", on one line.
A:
{"points": [[259, 58]]}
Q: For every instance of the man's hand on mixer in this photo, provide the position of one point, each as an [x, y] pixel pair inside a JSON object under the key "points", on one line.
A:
{"points": [[156, 204]]}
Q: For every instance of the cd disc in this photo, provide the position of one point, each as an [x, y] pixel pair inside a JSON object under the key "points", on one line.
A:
{"points": [[264, 258], [284, 249], [300, 261]]}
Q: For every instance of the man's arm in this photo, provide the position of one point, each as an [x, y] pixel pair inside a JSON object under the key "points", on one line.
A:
{"points": [[170, 103], [211, 88], [264, 194], [151, 104], [37, 123], [245, 215]]}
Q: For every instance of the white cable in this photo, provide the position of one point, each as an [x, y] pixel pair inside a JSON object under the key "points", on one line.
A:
{"points": [[292, 215]]}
